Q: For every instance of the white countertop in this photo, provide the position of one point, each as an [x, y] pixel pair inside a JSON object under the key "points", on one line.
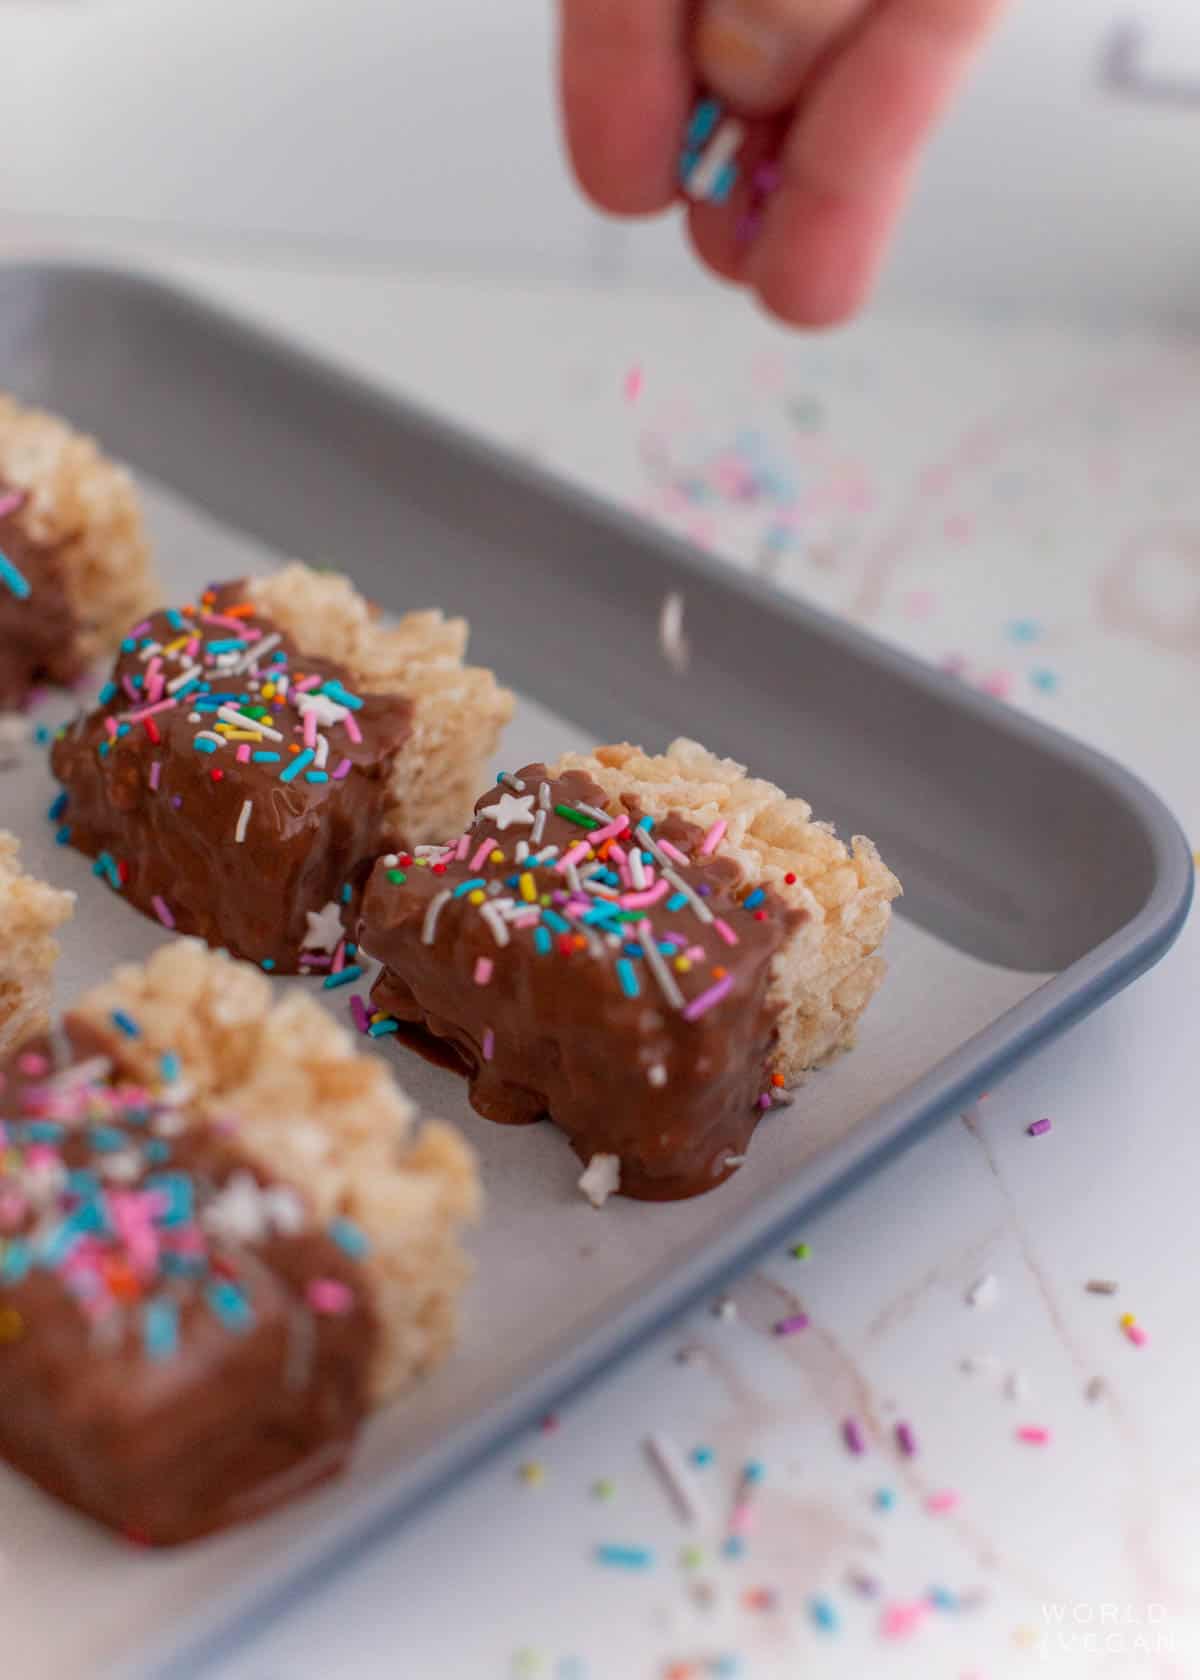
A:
{"points": [[1024, 503]]}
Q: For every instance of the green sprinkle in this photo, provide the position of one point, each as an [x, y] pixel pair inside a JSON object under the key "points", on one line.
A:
{"points": [[800, 1251], [397, 877], [581, 818]]}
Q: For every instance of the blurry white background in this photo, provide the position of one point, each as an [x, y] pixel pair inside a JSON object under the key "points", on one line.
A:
{"points": [[383, 133]]}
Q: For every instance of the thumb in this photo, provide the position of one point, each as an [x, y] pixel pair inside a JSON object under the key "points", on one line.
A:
{"points": [[756, 54]]}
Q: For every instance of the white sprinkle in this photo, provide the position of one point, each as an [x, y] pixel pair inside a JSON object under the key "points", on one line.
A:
{"points": [[254, 654], [325, 928], [522, 851], [601, 1178], [509, 811], [243, 821], [322, 753], [659, 969], [207, 735], [717, 155], [184, 677], [657, 1075], [678, 1480], [543, 796], [389, 860], [14, 732], [230, 714], [429, 926], [326, 711], [495, 921], [672, 642], [1096, 1389], [147, 653], [122, 1167], [539, 827], [725, 1308], [697, 903], [1016, 1385], [984, 1292], [637, 869]]}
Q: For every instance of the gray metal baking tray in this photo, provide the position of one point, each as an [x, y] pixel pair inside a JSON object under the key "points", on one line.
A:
{"points": [[1039, 879]]}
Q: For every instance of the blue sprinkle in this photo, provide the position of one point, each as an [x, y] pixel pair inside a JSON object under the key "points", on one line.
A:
{"points": [[300, 762], [176, 620], [754, 899], [628, 978], [204, 746], [102, 750], [230, 1304], [41, 735], [753, 1471], [168, 1066], [646, 823], [512, 880], [381, 1029], [942, 1598], [823, 1614], [554, 920], [333, 981], [625, 1557], [17, 1260], [17, 582], [469, 886], [81, 1182], [340, 696], [351, 948], [102, 864], [232, 644], [176, 1189], [126, 1023], [107, 693], [316, 775], [733, 1546], [63, 837], [157, 1151], [59, 806], [1045, 681], [160, 1328], [349, 1238], [702, 1455], [347, 893], [268, 963], [123, 730], [885, 1498], [57, 1244], [542, 941], [677, 901], [129, 645], [264, 758], [43, 1131], [180, 1265], [724, 184], [106, 1139]]}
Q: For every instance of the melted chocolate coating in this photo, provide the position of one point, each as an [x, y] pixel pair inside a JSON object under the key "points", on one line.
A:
{"points": [[163, 1444], [579, 1030], [171, 833], [39, 639]]}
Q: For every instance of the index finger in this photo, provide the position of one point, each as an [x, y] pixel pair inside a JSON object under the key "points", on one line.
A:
{"points": [[627, 86]]}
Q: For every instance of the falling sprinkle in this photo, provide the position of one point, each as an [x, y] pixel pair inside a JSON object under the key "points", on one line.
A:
{"points": [[1101, 1286], [790, 1325], [940, 1503], [906, 1440], [672, 642], [601, 1178], [823, 1615], [1039, 1128], [1096, 1389], [625, 1557], [532, 1474], [984, 1292], [1033, 1435], [853, 1436], [633, 383]]}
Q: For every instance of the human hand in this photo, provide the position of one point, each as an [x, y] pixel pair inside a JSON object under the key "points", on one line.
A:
{"points": [[840, 93]]}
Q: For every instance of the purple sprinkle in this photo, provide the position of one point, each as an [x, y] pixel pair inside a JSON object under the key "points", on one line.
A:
{"points": [[703, 888], [359, 1011], [155, 773], [853, 1436], [906, 1440], [764, 1101], [1039, 1128], [789, 1326], [489, 1044], [176, 800], [767, 177]]}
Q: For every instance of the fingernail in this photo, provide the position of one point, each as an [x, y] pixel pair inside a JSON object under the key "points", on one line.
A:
{"points": [[741, 55]]}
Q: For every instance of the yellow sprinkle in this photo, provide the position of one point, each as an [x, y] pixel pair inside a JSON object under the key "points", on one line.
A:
{"points": [[232, 734], [691, 1557], [544, 901], [496, 857], [1127, 1321], [528, 890], [476, 897], [268, 691], [421, 863], [683, 965], [533, 1475], [603, 1489], [11, 1324], [174, 647]]}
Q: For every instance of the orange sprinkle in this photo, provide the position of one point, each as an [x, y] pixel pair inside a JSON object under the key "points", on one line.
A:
{"points": [[579, 942], [719, 973], [293, 748], [777, 1080], [122, 1280], [244, 609]]}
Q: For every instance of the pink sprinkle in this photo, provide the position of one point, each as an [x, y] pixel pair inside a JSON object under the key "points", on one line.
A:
{"points": [[343, 770], [155, 684], [741, 1518], [309, 682], [1136, 1335], [352, 729], [127, 685], [32, 1064], [725, 931], [140, 629], [161, 908], [464, 845], [110, 723], [641, 900], [482, 852], [339, 957], [193, 647], [789, 1326], [483, 971], [708, 1000], [155, 773], [310, 728], [576, 854], [899, 1620], [149, 711], [940, 1503], [243, 753], [853, 1436], [328, 1295], [609, 831], [906, 1440], [1039, 1128], [489, 1044], [634, 381], [11, 502], [359, 1011], [672, 852], [1033, 1435], [713, 838], [234, 624]]}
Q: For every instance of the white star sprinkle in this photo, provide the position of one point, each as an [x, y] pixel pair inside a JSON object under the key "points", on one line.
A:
{"points": [[246, 1212], [327, 711], [510, 810], [325, 930]]}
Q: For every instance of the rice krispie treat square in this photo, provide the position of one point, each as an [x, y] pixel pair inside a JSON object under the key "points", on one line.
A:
{"points": [[222, 1241], [30, 913], [75, 565], [253, 751], [647, 950]]}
